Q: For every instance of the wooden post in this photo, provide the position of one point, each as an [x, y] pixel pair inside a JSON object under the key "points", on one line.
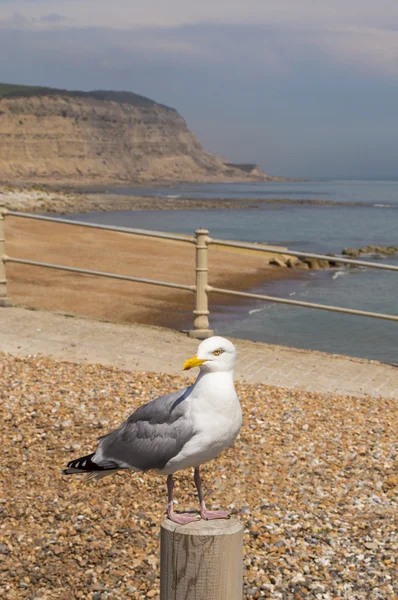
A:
{"points": [[201, 560], [201, 329], [4, 301]]}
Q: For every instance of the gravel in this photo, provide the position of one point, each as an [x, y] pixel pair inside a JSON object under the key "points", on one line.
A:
{"points": [[312, 477]]}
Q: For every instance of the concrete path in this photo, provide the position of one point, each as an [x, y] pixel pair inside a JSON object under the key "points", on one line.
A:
{"points": [[143, 348]]}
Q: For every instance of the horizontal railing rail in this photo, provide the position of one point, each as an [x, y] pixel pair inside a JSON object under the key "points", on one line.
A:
{"points": [[35, 263], [328, 257], [143, 232], [348, 311], [202, 289]]}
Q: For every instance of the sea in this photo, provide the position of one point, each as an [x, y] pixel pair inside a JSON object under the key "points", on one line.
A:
{"points": [[351, 214]]}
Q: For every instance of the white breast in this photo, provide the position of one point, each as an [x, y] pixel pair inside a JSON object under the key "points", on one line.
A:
{"points": [[216, 416]]}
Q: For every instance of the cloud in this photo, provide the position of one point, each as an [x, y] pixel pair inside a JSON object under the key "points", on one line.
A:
{"points": [[263, 49], [52, 18], [124, 14], [369, 48], [17, 21], [359, 33]]}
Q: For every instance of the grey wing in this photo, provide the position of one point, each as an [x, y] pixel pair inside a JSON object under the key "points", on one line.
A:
{"points": [[151, 436]]}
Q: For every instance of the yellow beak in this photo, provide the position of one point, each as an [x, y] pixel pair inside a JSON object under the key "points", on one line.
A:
{"points": [[193, 362]]}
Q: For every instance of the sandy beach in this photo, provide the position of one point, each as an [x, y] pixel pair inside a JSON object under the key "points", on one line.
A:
{"points": [[121, 253]]}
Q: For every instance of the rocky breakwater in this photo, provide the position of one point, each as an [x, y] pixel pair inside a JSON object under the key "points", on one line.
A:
{"points": [[294, 262], [317, 264], [376, 251]]}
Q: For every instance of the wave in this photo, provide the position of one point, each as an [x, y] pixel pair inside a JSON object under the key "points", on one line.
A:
{"points": [[256, 310], [339, 274]]}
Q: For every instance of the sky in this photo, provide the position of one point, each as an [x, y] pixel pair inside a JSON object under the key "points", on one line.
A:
{"points": [[304, 88]]}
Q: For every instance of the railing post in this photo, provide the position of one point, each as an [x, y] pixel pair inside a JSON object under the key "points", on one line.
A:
{"points": [[201, 560], [201, 329], [4, 300]]}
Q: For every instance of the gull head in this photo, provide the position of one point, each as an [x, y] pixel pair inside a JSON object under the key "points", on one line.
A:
{"points": [[214, 354]]}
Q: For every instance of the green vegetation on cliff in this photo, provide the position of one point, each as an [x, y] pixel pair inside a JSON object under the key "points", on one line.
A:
{"points": [[10, 90]]}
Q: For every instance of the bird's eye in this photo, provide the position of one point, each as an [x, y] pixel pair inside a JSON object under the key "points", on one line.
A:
{"points": [[217, 352]]}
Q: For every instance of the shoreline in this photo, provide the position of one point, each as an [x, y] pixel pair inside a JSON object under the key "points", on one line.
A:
{"points": [[31, 286], [109, 251], [167, 308], [73, 201], [144, 304]]}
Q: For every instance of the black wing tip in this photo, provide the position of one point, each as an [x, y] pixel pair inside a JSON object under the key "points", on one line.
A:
{"points": [[85, 464]]}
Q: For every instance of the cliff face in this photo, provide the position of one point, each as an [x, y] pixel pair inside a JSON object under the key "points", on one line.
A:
{"points": [[86, 139]]}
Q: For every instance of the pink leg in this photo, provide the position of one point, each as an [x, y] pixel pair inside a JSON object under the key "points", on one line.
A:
{"points": [[204, 513], [181, 518]]}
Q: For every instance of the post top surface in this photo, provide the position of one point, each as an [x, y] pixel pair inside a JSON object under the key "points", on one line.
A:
{"points": [[201, 230], [214, 527]]}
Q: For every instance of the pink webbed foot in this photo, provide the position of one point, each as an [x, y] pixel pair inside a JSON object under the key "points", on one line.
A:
{"points": [[182, 518], [209, 515]]}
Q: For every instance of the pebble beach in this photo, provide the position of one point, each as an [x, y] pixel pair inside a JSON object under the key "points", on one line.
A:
{"points": [[312, 477]]}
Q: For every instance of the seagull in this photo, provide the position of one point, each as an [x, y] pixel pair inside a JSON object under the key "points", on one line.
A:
{"points": [[177, 431]]}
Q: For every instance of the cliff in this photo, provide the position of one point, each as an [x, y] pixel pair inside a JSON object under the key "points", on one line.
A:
{"points": [[49, 135]]}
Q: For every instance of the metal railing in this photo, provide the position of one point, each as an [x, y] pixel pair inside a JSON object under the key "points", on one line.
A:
{"points": [[201, 289]]}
